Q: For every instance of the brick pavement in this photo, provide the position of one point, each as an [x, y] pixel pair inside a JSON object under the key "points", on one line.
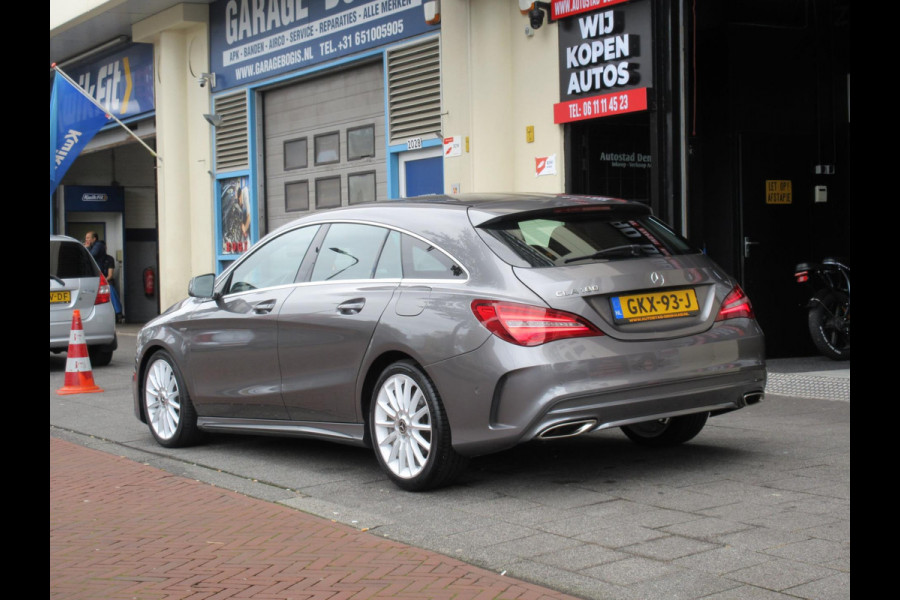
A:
{"points": [[120, 529]]}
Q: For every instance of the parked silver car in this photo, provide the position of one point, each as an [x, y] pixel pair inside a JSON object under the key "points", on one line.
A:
{"points": [[76, 283], [445, 328]]}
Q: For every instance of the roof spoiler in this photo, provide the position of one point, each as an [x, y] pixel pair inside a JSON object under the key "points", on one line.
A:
{"points": [[482, 216]]}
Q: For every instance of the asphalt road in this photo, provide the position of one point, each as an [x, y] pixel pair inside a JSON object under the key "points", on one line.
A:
{"points": [[757, 506]]}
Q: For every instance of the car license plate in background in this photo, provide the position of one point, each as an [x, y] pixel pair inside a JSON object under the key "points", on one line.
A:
{"points": [[656, 305], [60, 297]]}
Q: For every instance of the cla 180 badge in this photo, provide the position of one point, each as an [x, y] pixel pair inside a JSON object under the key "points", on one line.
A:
{"points": [[575, 291]]}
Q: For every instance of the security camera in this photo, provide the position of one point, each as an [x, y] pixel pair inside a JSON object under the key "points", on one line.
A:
{"points": [[536, 17], [207, 78]]}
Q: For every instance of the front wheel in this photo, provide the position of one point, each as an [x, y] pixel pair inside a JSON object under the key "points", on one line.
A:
{"points": [[829, 325], [410, 430], [666, 432], [170, 414], [99, 357]]}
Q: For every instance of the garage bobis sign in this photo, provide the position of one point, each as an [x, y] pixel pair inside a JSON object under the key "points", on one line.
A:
{"points": [[255, 39], [605, 61]]}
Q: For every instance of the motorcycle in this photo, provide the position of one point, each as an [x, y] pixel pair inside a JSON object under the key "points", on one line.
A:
{"points": [[829, 306]]}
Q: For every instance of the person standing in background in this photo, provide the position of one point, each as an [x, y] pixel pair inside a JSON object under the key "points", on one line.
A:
{"points": [[107, 264], [96, 246]]}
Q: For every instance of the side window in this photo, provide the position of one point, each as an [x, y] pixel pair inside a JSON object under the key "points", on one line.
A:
{"points": [[70, 260], [275, 263], [421, 260], [389, 265], [349, 251]]}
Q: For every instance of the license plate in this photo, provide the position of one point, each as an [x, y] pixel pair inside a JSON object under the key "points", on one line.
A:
{"points": [[657, 305], [60, 297]]}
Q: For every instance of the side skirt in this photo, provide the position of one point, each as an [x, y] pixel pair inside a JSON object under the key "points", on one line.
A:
{"points": [[345, 433]]}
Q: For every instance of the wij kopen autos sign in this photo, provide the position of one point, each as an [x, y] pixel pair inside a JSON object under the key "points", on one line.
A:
{"points": [[605, 58]]}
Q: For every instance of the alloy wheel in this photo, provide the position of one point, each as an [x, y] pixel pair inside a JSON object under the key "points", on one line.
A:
{"points": [[163, 399], [403, 427]]}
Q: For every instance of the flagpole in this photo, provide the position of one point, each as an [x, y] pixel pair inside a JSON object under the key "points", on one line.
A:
{"points": [[103, 108]]}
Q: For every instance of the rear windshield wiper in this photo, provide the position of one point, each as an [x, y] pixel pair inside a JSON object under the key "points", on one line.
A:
{"points": [[626, 250], [57, 279]]}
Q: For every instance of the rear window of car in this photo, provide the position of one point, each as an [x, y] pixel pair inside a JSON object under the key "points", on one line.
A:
{"points": [[70, 260], [557, 239]]}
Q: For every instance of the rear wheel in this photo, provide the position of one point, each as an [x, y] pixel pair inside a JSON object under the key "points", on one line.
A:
{"points": [[99, 357], [666, 432], [170, 414], [410, 431], [829, 325]]}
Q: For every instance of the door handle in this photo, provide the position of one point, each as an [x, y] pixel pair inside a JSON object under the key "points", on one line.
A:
{"points": [[747, 243], [351, 307], [264, 307]]}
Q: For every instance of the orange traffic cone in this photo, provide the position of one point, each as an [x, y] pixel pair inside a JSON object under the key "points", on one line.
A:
{"points": [[79, 378]]}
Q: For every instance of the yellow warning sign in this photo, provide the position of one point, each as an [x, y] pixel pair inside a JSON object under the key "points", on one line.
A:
{"points": [[778, 191]]}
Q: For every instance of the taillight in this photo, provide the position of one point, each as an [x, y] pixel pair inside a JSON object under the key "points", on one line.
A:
{"points": [[526, 325], [735, 305], [102, 291], [802, 276]]}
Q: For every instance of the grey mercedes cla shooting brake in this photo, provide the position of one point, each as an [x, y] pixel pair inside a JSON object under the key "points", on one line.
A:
{"points": [[442, 328]]}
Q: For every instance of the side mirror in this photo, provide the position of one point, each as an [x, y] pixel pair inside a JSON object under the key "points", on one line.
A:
{"points": [[202, 286]]}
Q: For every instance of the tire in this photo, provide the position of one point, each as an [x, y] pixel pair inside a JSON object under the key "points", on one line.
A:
{"points": [[168, 408], [666, 432], [829, 325], [99, 358], [409, 430]]}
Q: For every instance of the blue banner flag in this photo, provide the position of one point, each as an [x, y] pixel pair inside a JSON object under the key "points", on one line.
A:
{"points": [[74, 120]]}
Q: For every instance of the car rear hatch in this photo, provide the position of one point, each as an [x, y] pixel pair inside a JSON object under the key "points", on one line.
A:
{"points": [[74, 281], [615, 265]]}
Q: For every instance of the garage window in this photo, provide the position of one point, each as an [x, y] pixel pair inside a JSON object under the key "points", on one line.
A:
{"points": [[328, 148], [361, 187], [328, 192], [295, 154], [296, 196], [360, 142]]}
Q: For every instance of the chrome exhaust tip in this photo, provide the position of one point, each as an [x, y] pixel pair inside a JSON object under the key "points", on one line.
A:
{"points": [[569, 429], [753, 398]]}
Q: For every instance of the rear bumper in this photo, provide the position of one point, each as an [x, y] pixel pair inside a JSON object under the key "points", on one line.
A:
{"points": [[715, 395], [99, 325], [595, 383]]}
